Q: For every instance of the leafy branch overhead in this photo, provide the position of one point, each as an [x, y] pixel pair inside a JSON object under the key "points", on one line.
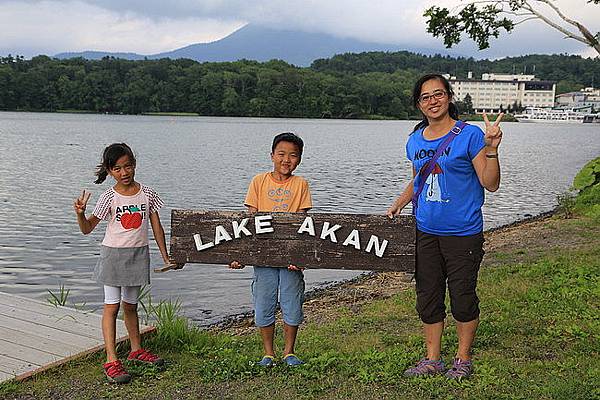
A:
{"points": [[485, 19]]}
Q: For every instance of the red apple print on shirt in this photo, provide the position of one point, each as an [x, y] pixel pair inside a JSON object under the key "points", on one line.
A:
{"points": [[132, 220]]}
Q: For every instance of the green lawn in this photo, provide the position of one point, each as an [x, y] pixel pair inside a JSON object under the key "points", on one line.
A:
{"points": [[539, 338]]}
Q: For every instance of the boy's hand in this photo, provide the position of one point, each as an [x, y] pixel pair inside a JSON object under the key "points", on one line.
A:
{"points": [[293, 267], [236, 265], [80, 203]]}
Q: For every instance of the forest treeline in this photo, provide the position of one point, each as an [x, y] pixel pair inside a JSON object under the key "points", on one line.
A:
{"points": [[372, 84]]}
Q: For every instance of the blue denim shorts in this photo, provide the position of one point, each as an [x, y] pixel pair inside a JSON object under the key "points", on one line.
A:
{"points": [[269, 285]]}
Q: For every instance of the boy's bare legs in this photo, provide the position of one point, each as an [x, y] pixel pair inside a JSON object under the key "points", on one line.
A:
{"points": [[130, 316], [466, 335], [268, 334], [433, 339], [289, 334], [109, 330]]}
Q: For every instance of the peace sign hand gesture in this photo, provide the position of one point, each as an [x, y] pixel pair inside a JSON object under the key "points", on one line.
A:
{"points": [[493, 133], [80, 203]]}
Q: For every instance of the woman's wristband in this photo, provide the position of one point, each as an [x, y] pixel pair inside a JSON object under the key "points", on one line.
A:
{"points": [[491, 155]]}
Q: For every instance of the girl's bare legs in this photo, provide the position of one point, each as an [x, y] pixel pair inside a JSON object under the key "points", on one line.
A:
{"points": [[132, 324], [109, 330]]}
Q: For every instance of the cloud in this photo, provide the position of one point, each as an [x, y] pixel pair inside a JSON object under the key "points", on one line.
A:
{"points": [[151, 26], [50, 27]]}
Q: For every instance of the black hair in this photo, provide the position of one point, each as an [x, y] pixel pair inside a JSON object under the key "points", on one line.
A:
{"points": [[452, 109], [110, 156], [288, 137]]}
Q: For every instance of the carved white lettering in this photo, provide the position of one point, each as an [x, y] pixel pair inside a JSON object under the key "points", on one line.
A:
{"points": [[374, 242], [353, 239], [262, 224], [199, 245], [239, 228], [307, 226], [327, 231], [221, 234]]}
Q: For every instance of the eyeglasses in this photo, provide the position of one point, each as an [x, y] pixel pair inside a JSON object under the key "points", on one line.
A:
{"points": [[438, 95]]}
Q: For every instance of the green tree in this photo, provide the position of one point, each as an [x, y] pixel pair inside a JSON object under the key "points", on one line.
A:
{"points": [[482, 20]]}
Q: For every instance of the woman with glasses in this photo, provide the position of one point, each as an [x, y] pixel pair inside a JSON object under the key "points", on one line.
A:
{"points": [[453, 163]]}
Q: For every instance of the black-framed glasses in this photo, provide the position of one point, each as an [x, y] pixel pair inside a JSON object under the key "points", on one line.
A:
{"points": [[438, 95]]}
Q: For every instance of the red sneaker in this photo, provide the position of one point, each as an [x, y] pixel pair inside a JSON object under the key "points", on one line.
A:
{"points": [[115, 373], [145, 356]]}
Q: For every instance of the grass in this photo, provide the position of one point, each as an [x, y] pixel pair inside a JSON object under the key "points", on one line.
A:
{"points": [[539, 338]]}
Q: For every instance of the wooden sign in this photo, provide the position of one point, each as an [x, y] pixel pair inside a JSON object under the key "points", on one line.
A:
{"points": [[310, 240]]}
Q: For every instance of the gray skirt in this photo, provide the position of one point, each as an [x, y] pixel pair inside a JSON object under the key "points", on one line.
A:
{"points": [[128, 266]]}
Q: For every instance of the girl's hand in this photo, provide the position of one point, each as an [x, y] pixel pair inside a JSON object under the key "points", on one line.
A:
{"points": [[236, 265], [293, 267], [80, 203], [493, 133], [168, 267]]}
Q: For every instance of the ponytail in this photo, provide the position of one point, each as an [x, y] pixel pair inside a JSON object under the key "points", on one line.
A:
{"points": [[101, 173]]}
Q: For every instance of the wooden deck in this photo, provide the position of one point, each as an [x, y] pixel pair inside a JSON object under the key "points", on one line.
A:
{"points": [[35, 336]]}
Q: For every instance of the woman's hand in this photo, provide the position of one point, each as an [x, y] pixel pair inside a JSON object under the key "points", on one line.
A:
{"points": [[80, 203], [394, 210], [493, 133], [293, 267]]}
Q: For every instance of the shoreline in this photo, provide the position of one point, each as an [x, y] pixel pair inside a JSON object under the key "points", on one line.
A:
{"points": [[465, 117], [357, 291]]}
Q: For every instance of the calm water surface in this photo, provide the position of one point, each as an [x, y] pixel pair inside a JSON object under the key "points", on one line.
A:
{"points": [[207, 163]]}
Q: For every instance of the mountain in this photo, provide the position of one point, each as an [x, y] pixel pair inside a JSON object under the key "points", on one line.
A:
{"points": [[262, 44], [97, 55]]}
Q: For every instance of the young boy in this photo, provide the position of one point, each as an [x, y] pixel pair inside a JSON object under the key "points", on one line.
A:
{"points": [[279, 191]]}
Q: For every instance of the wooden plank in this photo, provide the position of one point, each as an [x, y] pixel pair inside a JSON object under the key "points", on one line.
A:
{"points": [[330, 241], [49, 332], [34, 340], [63, 323], [5, 376], [35, 336], [26, 353], [57, 313], [46, 308], [14, 366], [143, 331]]}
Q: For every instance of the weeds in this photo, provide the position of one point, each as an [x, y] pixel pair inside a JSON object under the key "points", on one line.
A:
{"points": [[60, 298]]}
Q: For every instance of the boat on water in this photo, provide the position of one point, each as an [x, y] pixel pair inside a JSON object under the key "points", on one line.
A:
{"points": [[591, 119], [537, 114]]}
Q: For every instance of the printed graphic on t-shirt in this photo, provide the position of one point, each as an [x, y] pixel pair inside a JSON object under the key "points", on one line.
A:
{"points": [[131, 216], [280, 197], [434, 180]]}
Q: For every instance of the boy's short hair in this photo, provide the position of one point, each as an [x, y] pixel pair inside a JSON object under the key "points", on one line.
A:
{"points": [[288, 137]]}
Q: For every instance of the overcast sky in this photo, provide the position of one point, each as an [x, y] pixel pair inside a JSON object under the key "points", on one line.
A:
{"points": [[33, 27]]}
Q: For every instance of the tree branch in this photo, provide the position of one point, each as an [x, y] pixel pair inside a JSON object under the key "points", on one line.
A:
{"points": [[553, 24]]}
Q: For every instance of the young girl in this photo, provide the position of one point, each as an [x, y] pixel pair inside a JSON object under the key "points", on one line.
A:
{"points": [[124, 264]]}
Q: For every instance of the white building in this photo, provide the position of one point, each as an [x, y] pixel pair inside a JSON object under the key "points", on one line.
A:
{"points": [[494, 92], [587, 100]]}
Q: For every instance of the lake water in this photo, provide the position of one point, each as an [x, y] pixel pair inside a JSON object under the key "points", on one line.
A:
{"points": [[207, 163]]}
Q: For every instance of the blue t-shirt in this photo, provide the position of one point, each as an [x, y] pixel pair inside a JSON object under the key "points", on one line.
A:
{"points": [[451, 200]]}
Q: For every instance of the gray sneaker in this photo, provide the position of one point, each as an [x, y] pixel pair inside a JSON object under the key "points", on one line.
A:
{"points": [[425, 367], [460, 369]]}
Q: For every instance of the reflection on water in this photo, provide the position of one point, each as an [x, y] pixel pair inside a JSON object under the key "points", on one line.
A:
{"points": [[207, 163]]}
